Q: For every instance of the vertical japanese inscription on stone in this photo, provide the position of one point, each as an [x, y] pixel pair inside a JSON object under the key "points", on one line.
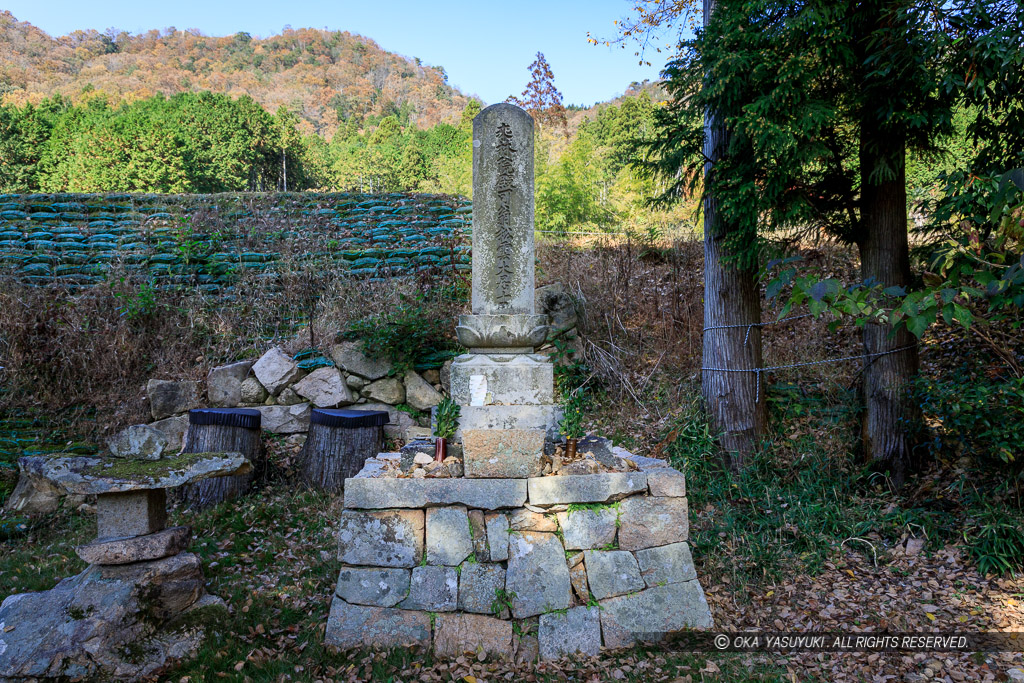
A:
{"points": [[505, 153], [503, 276]]}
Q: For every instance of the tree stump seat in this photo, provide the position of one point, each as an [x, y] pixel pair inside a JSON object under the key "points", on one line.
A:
{"points": [[223, 430], [339, 443]]}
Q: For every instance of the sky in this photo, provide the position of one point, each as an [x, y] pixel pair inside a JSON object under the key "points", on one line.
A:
{"points": [[485, 46]]}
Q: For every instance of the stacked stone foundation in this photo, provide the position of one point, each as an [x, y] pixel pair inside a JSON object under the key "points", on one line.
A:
{"points": [[515, 568]]}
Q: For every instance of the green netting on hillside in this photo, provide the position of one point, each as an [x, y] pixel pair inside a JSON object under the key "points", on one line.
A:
{"points": [[209, 240]]}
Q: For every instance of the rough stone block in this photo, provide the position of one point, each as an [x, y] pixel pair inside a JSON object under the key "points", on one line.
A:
{"points": [[478, 529], [648, 522], [578, 579], [276, 370], [478, 586], [419, 394], [667, 482], [434, 589], [544, 417], [497, 536], [588, 528], [139, 442], [502, 453], [324, 388], [135, 513], [388, 390], [352, 626], [449, 541], [374, 586], [137, 549], [173, 429], [505, 379], [585, 488], [457, 634], [348, 357], [666, 564], [285, 419], [485, 494], [393, 538], [224, 384], [528, 520], [576, 631], [168, 398], [253, 393], [612, 572], [537, 574], [648, 615]]}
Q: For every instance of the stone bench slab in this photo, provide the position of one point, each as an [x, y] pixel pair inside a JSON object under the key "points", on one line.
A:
{"points": [[84, 475]]}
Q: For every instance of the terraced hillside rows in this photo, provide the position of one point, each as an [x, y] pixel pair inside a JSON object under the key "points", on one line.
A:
{"points": [[207, 241]]}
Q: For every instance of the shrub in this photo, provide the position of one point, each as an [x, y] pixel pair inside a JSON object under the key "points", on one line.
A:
{"points": [[409, 335]]}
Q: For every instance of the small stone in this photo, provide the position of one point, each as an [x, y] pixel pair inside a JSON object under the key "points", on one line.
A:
{"points": [[325, 388], [288, 397], [173, 429], [457, 634], [433, 589], [276, 370], [612, 572], [526, 644], [224, 384], [649, 522], [373, 586], [285, 419], [478, 529], [393, 538], [655, 611], [478, 586], [355, 381], [419, 473], [422, 459], [502, 453], [526, 520], [168, 398], [643, 463], [666, 564], [350, 358], [578, 579], [388, 390], [588, 528], [138, 549], [419, 394], [603, 451], [497, 536], [1015, 675], [486, 494], [536, 574], [575, 560], [138, 441], [587, 488], [135, 513], [352, 626], [253, 393], [432, 376], [576, 631], [448, 538], [667, 482]]}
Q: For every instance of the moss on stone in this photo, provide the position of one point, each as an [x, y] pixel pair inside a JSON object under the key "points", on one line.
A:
{"points": [[151, 470]]}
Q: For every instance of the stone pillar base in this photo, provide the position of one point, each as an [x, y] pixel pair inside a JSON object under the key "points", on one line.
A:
{"points": [[507, 379]]}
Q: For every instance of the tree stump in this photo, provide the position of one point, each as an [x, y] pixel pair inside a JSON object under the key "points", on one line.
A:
{"points": [[222, 430], [338, 445]]}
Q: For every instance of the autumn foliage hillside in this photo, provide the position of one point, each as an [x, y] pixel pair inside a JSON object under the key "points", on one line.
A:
{"points": [[320, 75]]}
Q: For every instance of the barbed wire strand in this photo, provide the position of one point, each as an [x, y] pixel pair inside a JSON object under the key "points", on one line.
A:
{"points": [[772, 368]]}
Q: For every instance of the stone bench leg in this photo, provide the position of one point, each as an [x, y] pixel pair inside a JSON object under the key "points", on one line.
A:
{"points": [[136, 513]]}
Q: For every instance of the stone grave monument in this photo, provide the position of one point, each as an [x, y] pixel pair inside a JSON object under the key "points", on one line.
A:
{"points": [[511, 553], [142, 600]]}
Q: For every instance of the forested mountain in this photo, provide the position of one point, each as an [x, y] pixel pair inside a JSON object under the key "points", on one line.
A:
{"points": [[325, 77]]}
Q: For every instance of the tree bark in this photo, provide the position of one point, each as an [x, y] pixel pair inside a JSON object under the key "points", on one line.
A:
{"points": [[221, 439], [734, 400], [888, 433], [333, 454]]}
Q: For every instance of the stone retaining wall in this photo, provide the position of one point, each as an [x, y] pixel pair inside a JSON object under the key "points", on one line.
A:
{"points": [[515, 568]]}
